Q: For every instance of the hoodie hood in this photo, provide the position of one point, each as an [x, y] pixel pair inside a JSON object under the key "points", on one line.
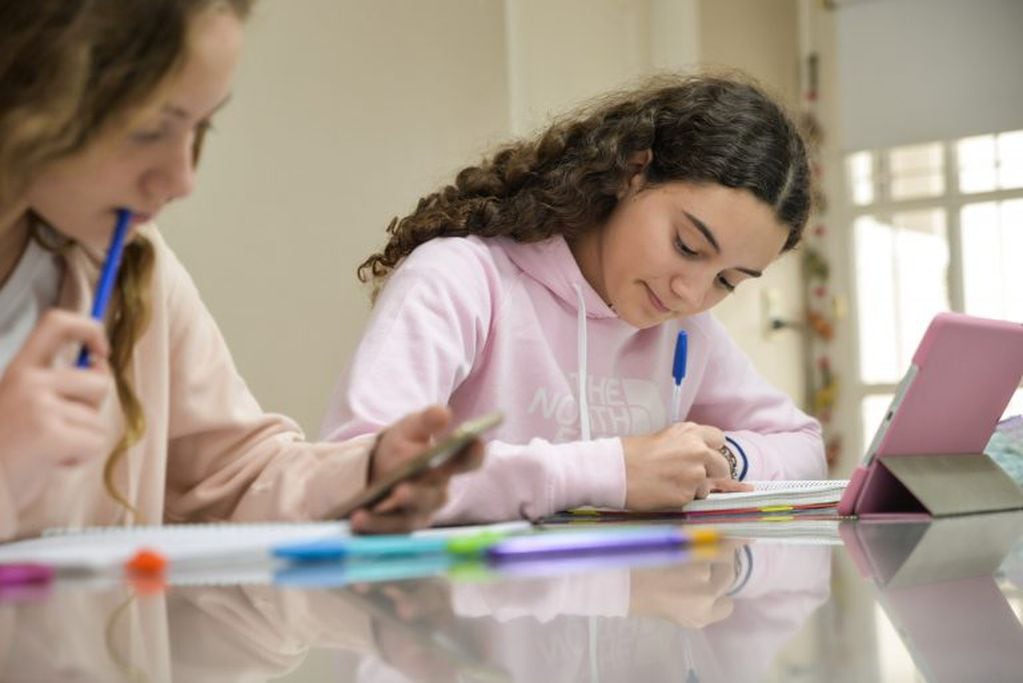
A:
{"points": [[552, 264]]}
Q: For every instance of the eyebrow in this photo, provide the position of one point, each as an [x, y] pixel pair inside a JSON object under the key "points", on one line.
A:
{"points": [[709, 236], [183, 114]]}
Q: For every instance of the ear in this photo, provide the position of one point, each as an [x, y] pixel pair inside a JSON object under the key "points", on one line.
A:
{"points": [[636, 172]]}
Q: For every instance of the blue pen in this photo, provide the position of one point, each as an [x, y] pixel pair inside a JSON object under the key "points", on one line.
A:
{"points": [[678, 371], [108, 276]]}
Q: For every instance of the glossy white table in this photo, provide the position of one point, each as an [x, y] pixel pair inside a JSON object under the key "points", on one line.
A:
{"points": [[868, 602]]}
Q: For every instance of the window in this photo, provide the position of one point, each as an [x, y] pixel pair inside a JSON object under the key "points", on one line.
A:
{"points": [[936, 227]]}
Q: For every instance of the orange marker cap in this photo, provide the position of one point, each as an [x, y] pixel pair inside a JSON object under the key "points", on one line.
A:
{"points": [[146, 561]]}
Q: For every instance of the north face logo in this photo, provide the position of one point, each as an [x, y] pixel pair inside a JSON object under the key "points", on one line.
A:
{"points": [[617, 407]]}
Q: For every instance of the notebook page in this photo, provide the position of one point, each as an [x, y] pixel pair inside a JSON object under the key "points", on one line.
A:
{"points": [[799, 485], [107, 548], [773, 494]]}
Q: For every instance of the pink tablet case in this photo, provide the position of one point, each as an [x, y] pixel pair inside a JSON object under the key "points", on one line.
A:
{"points": [[968, 368]]}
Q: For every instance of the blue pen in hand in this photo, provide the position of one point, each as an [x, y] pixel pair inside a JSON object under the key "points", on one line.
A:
{"points": [[108, 276], [678, 371]]}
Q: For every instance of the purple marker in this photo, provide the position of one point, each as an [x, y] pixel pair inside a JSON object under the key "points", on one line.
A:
{"points": [[19, 574], [571, 543]]}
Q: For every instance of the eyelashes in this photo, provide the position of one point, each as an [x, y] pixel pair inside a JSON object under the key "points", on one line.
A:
{"points": [[720, 280], [682, 248]]}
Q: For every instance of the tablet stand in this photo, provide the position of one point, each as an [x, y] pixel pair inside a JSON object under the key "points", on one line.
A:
{"points": [[939, 485]]}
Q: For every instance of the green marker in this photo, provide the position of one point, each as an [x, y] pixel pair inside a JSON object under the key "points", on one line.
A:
{"points": [[474, 544]]}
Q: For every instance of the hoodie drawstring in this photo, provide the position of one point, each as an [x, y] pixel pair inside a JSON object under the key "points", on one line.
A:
{"points": [[584, 404]]}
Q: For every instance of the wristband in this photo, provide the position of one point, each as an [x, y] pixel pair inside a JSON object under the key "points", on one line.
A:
{"points": [[738, 451], [733, 463]]}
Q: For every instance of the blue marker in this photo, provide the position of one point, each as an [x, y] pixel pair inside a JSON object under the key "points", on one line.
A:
{"points": [[348, 547], [108, 276], [678, 371]]}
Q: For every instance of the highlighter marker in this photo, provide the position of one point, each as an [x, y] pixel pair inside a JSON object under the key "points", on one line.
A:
{"points": [[25, 573], [108, 276], [570, 543]]}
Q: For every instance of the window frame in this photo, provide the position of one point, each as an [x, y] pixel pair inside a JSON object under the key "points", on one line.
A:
{"points": [[883, 208]]}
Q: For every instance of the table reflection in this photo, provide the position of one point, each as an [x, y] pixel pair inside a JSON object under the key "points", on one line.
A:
{"points": [[658, 621], [662, 616], [729, 613], [937, 582]]}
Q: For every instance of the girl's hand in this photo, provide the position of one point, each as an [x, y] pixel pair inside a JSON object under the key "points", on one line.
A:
{"points": [[693, 594], [412, 504], [677, 464], [50, 417]]}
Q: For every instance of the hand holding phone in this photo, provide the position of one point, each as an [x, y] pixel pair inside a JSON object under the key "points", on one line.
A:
{"points": [[433, 457]]}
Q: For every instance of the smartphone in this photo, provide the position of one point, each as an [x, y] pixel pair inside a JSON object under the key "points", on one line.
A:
{"points": [[435, 456]]}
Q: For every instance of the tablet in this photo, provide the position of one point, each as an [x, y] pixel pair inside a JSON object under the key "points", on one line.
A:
{"points": [[962, 376]]}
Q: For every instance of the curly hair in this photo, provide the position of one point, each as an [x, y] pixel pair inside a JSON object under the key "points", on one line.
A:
{"points": [[69, 69], [702, 129]]}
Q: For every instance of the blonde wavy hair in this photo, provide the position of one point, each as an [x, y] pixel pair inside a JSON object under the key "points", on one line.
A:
{"points": [[69, 70]]}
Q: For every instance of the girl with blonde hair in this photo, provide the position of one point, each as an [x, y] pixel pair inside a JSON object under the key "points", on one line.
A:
{"points": [[104, 107]]}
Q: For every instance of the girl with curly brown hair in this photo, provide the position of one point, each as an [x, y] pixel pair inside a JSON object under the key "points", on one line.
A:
{"points": [[551, 281], [103, 108]]}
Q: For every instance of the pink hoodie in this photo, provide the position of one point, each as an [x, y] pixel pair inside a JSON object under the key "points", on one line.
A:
{"points": [[488, 324]]}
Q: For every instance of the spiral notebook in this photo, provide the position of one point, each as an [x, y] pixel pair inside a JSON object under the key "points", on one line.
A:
{"points": [[211, 554], [106, 549], [769, 496], [766, 497]]}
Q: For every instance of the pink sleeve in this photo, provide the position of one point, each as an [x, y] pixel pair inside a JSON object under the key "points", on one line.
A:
{"points": [[778, 440], [538, 479], [428, 326], [226, 457]]}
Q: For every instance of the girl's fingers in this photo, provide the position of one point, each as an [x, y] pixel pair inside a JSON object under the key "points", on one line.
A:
{"points": [[717, 465], [365, 522], [423, 426], [79, 416], [729, 485], [84, 386], [414, 497], [57, 329], [469, 458], [82, 444], [712, 436]]}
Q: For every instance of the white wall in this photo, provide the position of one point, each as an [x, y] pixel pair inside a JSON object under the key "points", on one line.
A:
{"points": [[923, 70], [345, 112], [761, 38], [563, 52]]}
